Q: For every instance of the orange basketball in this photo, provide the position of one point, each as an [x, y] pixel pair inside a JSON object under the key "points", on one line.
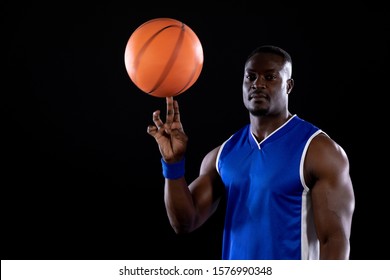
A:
{"points": [[164, 57]]}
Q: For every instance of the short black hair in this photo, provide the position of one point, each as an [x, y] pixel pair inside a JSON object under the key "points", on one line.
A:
{"points": [[271, 49]]}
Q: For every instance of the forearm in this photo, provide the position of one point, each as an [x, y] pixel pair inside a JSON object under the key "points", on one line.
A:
{"points": [[179, 205]]}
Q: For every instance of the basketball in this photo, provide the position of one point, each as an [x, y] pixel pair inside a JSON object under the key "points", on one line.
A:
{"points": [[164, 57]]}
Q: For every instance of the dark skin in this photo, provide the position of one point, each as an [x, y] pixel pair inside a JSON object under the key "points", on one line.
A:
{"points": [[266, 86]]}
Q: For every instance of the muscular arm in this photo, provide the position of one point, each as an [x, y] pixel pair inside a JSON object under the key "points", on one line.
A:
{"points": [[188, 207], [327, 168]]}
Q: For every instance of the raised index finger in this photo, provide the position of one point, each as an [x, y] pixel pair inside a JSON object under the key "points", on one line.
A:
{"points": [[170, 111]]}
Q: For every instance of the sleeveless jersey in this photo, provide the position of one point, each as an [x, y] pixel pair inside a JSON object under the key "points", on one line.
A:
{"points": [[268, 207]]}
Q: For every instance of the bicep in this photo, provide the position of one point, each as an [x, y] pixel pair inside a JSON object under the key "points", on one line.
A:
{"points": [[207, 189], [332, 191]]}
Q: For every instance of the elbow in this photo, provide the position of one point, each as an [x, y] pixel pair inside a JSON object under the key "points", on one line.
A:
{"points": [[181, 229], [182, 224]]}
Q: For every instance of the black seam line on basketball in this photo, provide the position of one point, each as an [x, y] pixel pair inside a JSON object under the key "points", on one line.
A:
{"points": [[191, 78], [145, 46], [194, 70], [171, 59]]}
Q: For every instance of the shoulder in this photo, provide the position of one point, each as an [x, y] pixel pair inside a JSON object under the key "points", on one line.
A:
{"points": [[241, 135], [320, 143], [210, 160], [325, 157], [323, 145]]}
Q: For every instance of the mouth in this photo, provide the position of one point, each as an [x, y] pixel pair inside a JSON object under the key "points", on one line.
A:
{"points": [[258, 96]]}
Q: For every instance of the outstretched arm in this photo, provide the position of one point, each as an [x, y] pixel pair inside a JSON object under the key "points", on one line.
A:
{"points": [[187, 207], [327, 168]]}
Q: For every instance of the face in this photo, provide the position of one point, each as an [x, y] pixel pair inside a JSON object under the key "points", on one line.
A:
{"points": [[266, 85]]}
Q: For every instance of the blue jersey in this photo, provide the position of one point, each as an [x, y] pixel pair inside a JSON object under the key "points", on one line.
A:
{"points": [[268, 214]]}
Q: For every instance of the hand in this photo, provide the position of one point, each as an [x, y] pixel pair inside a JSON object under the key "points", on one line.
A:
{"points": [[170, 136]]}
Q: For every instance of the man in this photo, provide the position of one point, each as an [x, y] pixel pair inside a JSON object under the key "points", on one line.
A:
{"points": [[288, 190]]}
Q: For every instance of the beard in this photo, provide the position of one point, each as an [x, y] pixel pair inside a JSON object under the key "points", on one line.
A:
{"points": [[258, 112]]}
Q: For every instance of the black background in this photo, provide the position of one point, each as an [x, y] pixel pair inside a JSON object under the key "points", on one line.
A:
{"points": [[82, 178]]}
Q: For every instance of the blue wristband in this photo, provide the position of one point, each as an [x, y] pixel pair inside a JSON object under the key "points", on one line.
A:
{"points": [[173, 170]]}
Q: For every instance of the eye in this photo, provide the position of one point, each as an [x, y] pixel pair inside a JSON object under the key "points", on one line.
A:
{"points": [[250, 77], [270, 77]]}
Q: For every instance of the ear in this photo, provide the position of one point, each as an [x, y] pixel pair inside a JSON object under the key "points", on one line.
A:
{"points": [[290, 85]]}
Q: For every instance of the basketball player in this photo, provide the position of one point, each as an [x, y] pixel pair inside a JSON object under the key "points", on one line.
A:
{"points": [[288, 190]]}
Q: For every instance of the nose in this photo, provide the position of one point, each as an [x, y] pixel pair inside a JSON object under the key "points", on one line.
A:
{"points": [[259, 83]]}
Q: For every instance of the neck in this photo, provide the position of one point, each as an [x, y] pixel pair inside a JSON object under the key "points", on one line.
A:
{"points": [[262, 126]]}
